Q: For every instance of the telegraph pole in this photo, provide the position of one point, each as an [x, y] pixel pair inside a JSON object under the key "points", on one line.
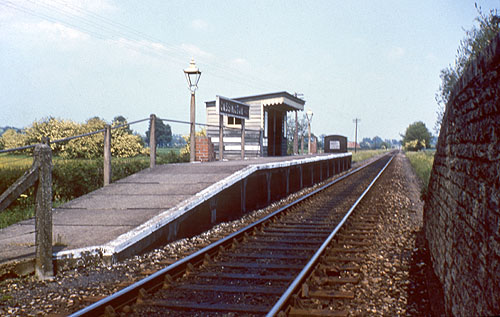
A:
{"points": [[356, 120]]}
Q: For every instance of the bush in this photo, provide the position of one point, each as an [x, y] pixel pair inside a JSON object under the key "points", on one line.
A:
{"points": [[11, 139], [53, 129], [123, 142], [172, 157], [87, 147]]}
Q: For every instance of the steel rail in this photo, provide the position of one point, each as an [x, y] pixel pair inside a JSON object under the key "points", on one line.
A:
{"points": [[281, 303], [155, 280]]}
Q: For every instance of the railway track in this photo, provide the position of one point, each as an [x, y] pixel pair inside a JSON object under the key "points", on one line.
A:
{"points": [[301, 260]]}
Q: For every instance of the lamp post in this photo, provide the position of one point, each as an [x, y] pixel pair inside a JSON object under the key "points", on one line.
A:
{"points": [[309, 116], [193, 76]]}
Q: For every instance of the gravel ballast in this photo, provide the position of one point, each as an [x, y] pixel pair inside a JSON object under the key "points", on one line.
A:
{"points": [[396, 278]]}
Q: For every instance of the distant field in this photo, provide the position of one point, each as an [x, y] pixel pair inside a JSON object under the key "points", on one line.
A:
{"points": [[15, 161], [362, 155]]}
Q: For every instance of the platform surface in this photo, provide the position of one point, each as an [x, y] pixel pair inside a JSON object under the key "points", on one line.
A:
{"points": [[110, 212]]}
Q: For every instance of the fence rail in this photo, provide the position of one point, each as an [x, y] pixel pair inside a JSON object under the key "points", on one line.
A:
{"points": [[40, 175], [21, 148]]}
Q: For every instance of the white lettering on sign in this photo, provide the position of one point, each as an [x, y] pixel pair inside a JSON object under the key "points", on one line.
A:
{"points": [[232, 108], [334, 145]]}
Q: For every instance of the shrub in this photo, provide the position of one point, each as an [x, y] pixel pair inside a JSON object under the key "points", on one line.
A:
{"points": [[123, 142], [172, 157], [186, 150], [11, 139], [53, 129], [87, 147]]}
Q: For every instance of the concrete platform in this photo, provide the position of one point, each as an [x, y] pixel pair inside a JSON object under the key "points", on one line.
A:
{"points": [[166, 203]]}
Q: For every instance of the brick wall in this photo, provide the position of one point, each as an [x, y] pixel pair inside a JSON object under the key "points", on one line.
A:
{"points": [[204, 150], [462, 213], [314, 145]]}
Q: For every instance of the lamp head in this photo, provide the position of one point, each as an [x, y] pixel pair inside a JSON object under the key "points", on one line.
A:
{"points": [[309, 115], [192, 75]]}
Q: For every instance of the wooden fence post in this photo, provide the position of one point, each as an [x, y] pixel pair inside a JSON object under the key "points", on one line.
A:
{"points": [[43, 213], [302, 145], [242, 139], [107, 155], [221, 137], [152, 141]]}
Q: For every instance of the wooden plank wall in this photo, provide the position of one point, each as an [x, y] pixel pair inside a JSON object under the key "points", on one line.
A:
{"points": [[232, 137]]}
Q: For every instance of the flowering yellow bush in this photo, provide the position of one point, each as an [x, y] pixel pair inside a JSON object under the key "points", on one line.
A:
{"points": [[123, 143], [52, 128], [86, 147], [414, 145], [12, 139], [186, 150]]}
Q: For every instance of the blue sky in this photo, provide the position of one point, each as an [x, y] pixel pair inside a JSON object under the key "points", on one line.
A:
{"points": [[374, 60]]}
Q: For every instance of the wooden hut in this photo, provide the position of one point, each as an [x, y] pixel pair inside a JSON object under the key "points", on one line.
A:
{"points": [[265, 130]]}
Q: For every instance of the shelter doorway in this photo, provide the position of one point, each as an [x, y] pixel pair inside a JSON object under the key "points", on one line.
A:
{"points": [[276, 141]]}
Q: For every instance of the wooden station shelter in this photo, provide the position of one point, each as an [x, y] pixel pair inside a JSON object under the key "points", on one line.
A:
{"points": [[264, 129]]}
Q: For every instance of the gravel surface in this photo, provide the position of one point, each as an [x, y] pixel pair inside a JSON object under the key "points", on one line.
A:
{"points": [[398, 274], [396, 282]]}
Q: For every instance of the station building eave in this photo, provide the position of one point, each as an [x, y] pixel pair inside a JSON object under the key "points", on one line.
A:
{"points": [[281, 101]]}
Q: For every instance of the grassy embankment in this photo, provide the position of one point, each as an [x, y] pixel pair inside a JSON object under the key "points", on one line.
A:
{"points": [[422, 165], [71, 178], [420, 161]]}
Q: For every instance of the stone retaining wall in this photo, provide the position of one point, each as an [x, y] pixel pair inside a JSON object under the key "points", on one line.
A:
{"points": [[462, 210]]}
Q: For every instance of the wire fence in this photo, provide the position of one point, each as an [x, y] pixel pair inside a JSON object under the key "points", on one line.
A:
{"points": [[67, 139]]}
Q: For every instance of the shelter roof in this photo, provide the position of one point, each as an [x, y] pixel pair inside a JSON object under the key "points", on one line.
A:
{"points": [[282, 101]]}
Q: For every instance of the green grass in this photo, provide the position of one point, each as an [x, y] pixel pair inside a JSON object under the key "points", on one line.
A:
{"points": [[422, 165], [71, 178], [362, 155], [15, 214], [15, 161]]}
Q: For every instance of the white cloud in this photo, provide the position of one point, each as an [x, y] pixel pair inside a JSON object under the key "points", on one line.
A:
{"points": [[240, 64], [59, 32], [396, 52], [141, 45], [195, 51], [51, 20], [79, 7], [48, 32], [199, 24]]}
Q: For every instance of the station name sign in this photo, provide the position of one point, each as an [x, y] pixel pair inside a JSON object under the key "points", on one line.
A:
{"points": [[232, 108]]}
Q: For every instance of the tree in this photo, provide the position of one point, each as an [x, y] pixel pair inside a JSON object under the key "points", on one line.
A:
{"points": [[416, 137], [121, 120], [476, 40], [290, 131], [163, 133], [321, 142], [377, 143], [365, 144]]}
